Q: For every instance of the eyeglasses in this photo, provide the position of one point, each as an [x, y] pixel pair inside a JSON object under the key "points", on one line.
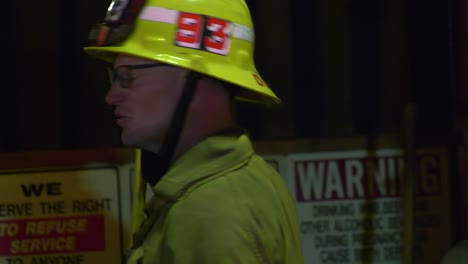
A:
{"points": [[123, 73]]}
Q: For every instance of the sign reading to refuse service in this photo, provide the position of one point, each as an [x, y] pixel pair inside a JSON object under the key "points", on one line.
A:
{"points": [[60, 216], [351, 211]]}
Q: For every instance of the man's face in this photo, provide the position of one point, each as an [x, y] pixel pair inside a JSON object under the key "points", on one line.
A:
{"points": [[144, 109]]}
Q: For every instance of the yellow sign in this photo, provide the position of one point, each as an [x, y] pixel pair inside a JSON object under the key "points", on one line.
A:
{"points": [[69, 216]]}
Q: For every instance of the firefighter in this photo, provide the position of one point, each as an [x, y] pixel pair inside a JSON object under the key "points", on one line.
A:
{"points": [[177, 68]]}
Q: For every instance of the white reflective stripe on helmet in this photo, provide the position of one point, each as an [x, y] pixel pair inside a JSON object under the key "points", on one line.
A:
{"points": [[159, 14], [170, 16]]}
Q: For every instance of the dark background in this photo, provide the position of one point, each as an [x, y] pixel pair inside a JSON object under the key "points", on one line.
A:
{"points": [[342, 68]]}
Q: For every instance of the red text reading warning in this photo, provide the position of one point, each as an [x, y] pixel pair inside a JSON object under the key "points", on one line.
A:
{"points": [[341, 179], [52, 235]]}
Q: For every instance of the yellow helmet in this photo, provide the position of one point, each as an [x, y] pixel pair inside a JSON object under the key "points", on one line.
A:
{"points": [[213, 37]]}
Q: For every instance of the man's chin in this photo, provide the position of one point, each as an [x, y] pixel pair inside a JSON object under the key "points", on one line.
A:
{"points": [[129, 141], [135, 142]]}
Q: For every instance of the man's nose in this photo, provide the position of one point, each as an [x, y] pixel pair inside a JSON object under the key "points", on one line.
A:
{"points": [[115, 94]]}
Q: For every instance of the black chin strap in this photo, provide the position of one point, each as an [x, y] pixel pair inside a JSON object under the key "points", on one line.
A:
{"points": [[153, 166]]}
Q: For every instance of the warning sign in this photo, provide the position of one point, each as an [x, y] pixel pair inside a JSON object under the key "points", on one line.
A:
{"points": [[70, 216], [350, 207]]}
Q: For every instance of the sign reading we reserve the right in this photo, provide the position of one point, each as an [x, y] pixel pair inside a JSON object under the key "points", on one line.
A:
{"points": [[351, 211]]}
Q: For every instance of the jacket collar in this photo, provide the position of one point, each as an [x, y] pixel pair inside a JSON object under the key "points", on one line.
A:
{"points": [[203, 162]]}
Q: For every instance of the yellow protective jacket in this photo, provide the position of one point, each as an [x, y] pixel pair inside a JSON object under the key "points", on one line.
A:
{"points": [[219, 203]]}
